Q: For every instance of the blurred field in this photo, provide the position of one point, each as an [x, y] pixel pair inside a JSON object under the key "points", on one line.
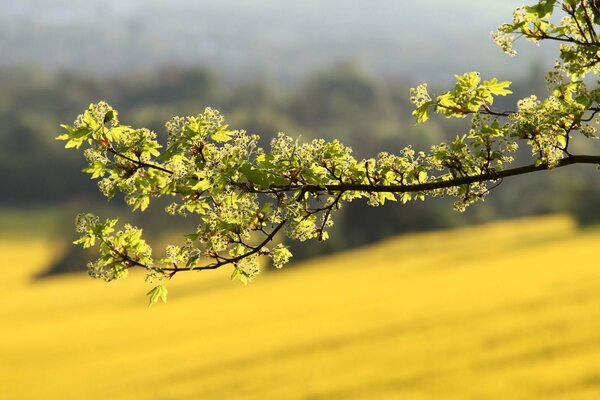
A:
{"points": [[504, 311]]}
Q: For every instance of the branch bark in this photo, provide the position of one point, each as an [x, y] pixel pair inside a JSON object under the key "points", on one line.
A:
{"points": [[465, 180]]}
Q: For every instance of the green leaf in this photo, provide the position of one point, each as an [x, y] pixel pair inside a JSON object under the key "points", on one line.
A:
{"points": [[405, 197], [498, 88], [109, 116], [422, 112], [543, 9], [222, 135], [118, 132], [141, 203], [240, 275], [446, 105], [157, 293], [383, 196], [267, 208], [254, 175], [466, 81], [73, 144], [202, 185]]}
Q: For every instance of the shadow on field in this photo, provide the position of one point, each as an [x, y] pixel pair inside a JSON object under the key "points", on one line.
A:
{"points": [[73, 260]]}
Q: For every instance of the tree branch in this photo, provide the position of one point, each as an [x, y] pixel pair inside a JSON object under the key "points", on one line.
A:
{"points": [[138, 162], [421, 187], [215, 265]]}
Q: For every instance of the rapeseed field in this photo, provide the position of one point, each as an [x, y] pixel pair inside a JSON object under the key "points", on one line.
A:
{"points": [[509, 310]]}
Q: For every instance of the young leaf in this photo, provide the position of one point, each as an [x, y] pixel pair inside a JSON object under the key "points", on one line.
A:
{"points": [[157, 293], [422, 112], [240, 275], [109, 116], [222, 135], [498, 88]]}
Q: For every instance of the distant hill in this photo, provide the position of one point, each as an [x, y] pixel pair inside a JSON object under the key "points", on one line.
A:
{"points": [[283, 39]]}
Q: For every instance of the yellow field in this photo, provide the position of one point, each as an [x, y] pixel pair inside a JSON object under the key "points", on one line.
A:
{"points": [[503, 311]]}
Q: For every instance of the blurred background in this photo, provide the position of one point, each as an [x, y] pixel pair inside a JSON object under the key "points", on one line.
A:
{"points": [[332, 69]]}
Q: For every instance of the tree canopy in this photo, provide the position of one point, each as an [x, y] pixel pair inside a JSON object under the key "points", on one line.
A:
{"points": [[248, 199]]}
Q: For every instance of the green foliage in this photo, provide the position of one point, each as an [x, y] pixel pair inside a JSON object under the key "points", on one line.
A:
{"points": [[157, 293], [468, 97], [576, 32], [245, 197]]}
